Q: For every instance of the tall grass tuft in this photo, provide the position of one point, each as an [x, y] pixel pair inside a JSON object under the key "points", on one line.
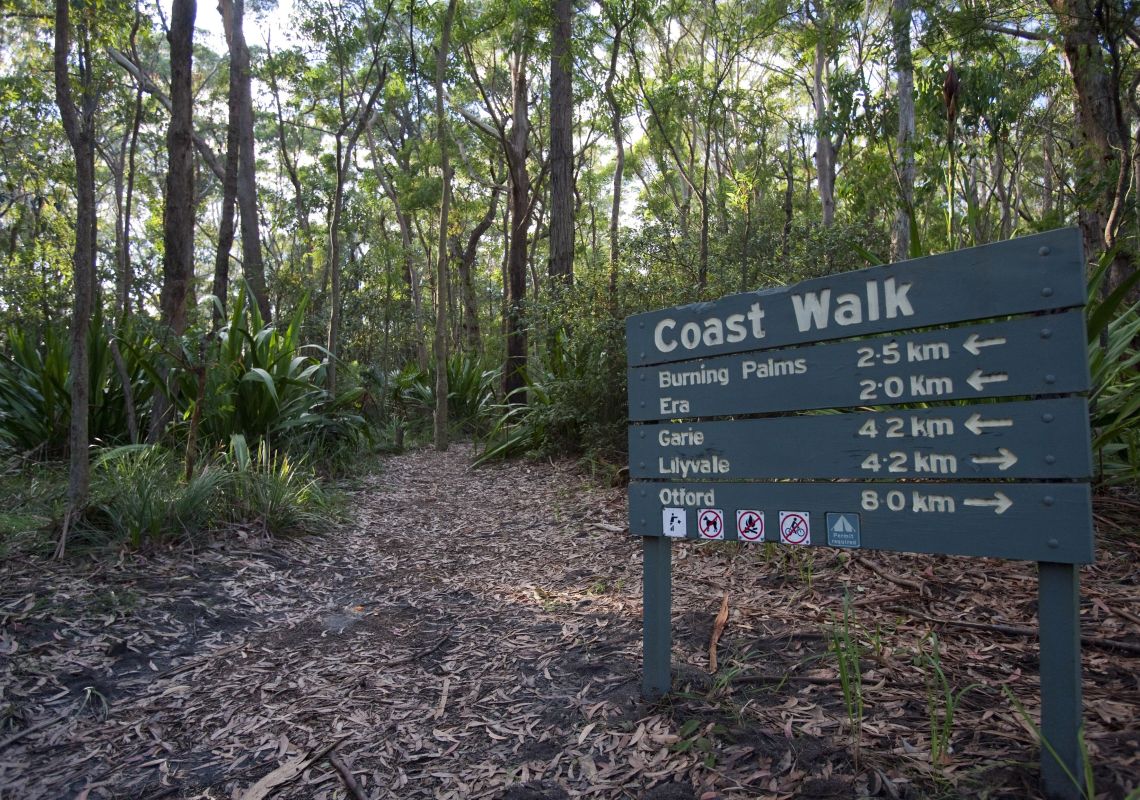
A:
{"points": [[139, 498], [274, 493], [848, 652]]}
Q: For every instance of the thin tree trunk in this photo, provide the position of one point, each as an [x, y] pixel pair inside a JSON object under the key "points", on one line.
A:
{"points": [[79, 125], [126, 272], [789, 197], [825, 149], [333, 269], [471, 333], [904, 71], [1047, 185], [253, 265], [221, 286], [514, 371], [442, 281], [561, 267]]}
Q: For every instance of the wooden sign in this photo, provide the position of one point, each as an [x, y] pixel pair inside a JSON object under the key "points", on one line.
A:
{"points": [[1033, 356], [1015, 277], [1042, 439], [902, 446]]}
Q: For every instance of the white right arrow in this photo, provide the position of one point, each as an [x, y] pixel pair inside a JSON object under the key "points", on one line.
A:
{"points": [[1004, 459], [975, 424], [999, 503], [978, 379], [975, 343]]}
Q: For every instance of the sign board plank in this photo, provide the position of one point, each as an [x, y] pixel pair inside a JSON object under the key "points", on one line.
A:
{"points": [[1032, 521], [1038, 355], [1034, 273], [1037, 439]]}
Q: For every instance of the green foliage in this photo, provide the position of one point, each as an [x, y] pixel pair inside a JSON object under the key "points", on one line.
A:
{"points": [[35, 404], [1114, 363], [261, 383], [575, 397], [138, 498], [32, 494], [35, 388], [848, 651], [258, 380], [274, 493], [407, 395], [941, 701]]}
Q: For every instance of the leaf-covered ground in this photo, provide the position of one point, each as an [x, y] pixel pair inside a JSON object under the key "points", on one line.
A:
{"points": [[477, 634]]}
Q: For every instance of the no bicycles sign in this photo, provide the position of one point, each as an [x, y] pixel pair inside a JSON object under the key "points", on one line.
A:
{"points": [[956, 422]]}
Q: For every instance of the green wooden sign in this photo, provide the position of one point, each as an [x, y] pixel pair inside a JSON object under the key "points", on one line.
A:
{"points": [[1015, 277], [1035, 520], [857, 411], [1040, 439], [1031, 356]]}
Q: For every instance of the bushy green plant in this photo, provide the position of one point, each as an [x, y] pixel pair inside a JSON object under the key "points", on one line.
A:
{"points": [[35, 404], [408, 395], [138, 497], [576, 390], [250, 378], [1114, 363], [273, 492], [35, 387]]}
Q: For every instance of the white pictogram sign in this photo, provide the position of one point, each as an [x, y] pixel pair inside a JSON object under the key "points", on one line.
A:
{"points": [[750, 525], [795, 527], [673, 522], [710, 523]]}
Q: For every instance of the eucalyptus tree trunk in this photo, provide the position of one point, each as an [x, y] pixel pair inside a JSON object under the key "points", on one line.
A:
{"points": [[221, 286], [470, 325], [253, 265], [561, 268], [178, 211], [1085, 28], [619, 157], [442, 282], [825, 148], [904, 72], [514, 371], [79, 125], [126, 271], [333, 263]]}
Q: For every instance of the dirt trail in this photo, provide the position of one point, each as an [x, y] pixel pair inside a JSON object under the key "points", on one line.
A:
{"points": [[477, 634]]}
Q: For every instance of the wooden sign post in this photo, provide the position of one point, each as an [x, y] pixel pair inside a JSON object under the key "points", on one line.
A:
{"points": [[882, 351]]}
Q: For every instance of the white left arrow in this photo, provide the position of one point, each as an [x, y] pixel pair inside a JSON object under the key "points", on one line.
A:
{"points": [[1000, 503], [1004, 459], [975, 343], [979, 379]]}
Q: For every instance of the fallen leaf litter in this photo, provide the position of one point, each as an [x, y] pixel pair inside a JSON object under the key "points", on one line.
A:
{"points": [[477, 634]]}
